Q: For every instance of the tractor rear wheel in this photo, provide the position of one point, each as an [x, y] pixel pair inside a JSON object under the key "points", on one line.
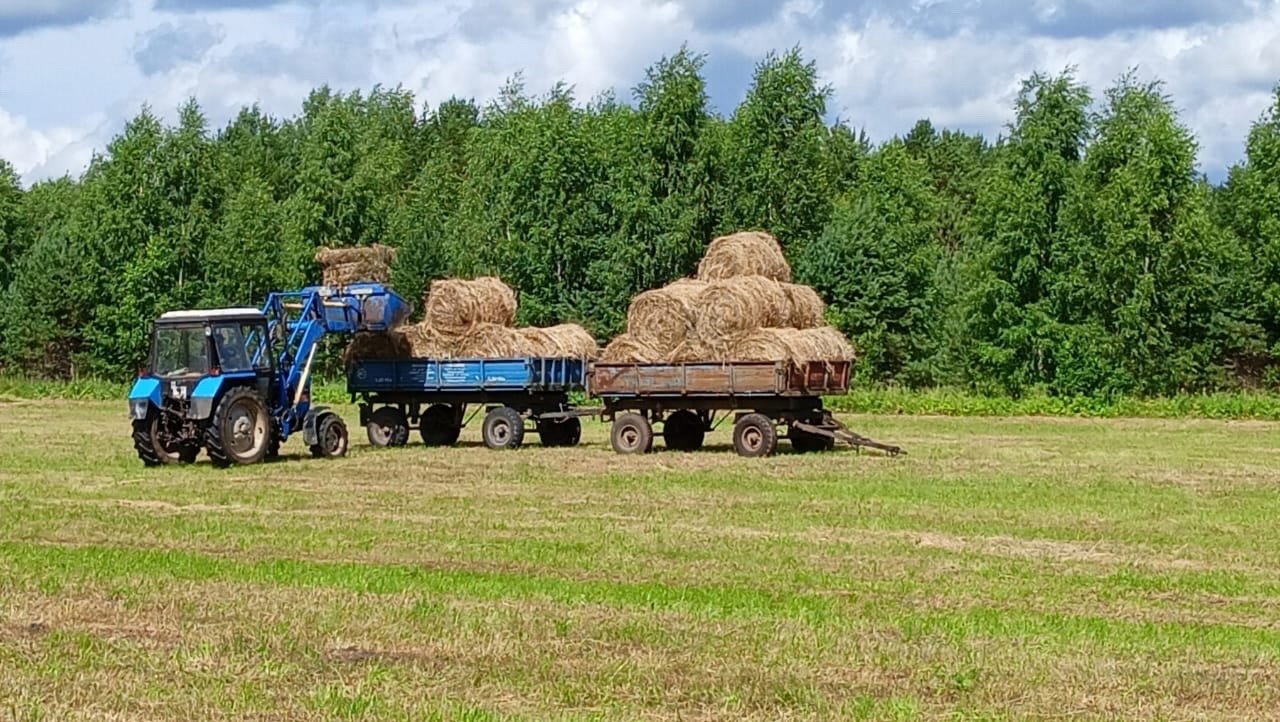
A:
{"points": [[439, 425], [683, 431], [149, 440], [240, 430], [503, 428], [388, 426], [331, 435]]}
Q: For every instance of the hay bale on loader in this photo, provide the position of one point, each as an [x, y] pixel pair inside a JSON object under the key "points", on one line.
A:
{"points": [[361, 264], [748, 253], [454, 308], [665, 317]]}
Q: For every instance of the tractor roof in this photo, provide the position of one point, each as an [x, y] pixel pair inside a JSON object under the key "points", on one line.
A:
{"points": [[213, 314]]}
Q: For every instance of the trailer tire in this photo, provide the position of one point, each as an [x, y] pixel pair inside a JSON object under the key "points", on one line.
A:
{"points": [[388, 427], [439, 425], [755, 435], [807, 442], [331, 435], [560, 433], [683, 431], [503, 428], [632, 434]]}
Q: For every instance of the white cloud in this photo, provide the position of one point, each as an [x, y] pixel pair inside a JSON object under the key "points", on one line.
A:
{"points": [[890, 63], [38, 154]]}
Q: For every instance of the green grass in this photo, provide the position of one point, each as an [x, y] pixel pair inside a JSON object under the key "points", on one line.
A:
{"points": [[915, 402], [1007, 568]]}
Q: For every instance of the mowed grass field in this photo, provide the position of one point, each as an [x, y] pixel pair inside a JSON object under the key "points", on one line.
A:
{"points": [[1006, 568]]}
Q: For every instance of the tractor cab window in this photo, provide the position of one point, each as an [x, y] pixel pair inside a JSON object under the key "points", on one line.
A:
{"points": [[180, 351], [237, 345]]}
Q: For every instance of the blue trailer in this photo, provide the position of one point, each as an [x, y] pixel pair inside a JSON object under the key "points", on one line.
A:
{"points": [[433, 395]]}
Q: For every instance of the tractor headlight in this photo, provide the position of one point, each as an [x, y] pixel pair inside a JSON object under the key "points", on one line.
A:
{"points": [[138, 408]]}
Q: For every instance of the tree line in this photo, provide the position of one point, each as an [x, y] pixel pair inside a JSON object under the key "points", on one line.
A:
{"points": [[1080, 253]]}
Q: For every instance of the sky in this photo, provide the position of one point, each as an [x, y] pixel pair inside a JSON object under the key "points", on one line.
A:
{"points": [[73, 71]]}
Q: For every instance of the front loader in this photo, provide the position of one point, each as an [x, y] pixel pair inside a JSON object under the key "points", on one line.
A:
{"points": [[236, 382]]}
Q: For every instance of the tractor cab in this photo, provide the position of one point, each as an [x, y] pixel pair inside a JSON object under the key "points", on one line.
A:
{"points": [[191, 344], [196, 356]]}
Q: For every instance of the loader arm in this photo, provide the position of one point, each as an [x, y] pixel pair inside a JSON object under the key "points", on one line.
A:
{"points": [[299, 320]]}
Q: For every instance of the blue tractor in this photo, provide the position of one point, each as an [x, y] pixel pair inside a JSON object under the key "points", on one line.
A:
{"points": [[236, 382]]}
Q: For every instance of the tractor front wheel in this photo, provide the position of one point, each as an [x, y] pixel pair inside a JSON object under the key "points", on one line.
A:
{"points": [[331, 437], [240, 430]]}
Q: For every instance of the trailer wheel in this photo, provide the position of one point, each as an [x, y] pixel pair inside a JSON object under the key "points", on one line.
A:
{"points": [[388, 426], [503, 428], [439, 425], [560, 433], [683, 431], [632, 434], [806, 442], [755, 435], [332, 435]]}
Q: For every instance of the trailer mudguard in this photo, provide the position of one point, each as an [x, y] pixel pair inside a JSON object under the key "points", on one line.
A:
{"points": [[144, 395]]}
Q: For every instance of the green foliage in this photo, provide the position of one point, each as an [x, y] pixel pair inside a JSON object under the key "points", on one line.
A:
{"points": [[774, 153], [1143, 264], [877, 264], [1080, 256], [951, 401], [1006, 326]]}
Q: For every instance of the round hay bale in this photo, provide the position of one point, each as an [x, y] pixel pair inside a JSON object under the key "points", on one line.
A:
{"points": [[807, 308], [627, 349], [564, 341], [691, 351], [487, 341], [423, 343], [664, 317], [363, 271], [761, 344], [734, 306], [382, 345], [455, 307], [826, 344], [749, 253], [789, 344], [355, 254]]}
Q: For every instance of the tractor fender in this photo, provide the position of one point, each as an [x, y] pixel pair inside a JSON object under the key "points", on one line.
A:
{"points": [[311, 424], [204, 397], [144, 395]]}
